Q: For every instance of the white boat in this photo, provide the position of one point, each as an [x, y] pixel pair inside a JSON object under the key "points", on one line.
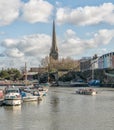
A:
{"points": [[86, 91], [38, 94], [12, 97], [28, 97], [43, 91]]}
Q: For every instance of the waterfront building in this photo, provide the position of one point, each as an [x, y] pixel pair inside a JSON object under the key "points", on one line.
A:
{"points": [[106, 61], [85, 63], [100, 62], [94, 63], [112, 61]]}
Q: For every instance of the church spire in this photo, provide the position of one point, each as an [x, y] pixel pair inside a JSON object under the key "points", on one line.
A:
{"points": [[54, 49]]}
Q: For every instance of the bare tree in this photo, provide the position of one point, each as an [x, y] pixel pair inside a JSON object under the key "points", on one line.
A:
{"points": [[64, 63]]}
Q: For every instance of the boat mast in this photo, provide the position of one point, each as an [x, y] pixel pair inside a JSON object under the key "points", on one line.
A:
{"points": [[38, 78], [25, 74], [48, 69]]}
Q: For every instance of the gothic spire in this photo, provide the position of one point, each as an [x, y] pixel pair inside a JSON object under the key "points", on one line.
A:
{"points": [[54, 49]]}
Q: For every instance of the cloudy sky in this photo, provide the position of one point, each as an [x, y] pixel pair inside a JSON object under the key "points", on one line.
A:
{"points": [[83, 28]]}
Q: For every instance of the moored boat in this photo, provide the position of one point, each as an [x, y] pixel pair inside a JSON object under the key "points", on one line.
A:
{"points": [[28, 97], [12, 96], [43, 91], [86, 91]]}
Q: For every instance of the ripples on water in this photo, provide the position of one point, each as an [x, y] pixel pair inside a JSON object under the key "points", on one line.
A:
{"points": [[62, 109]]}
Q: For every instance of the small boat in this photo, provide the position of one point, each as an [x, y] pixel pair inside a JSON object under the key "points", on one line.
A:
{"points": [[38, 94], [86, 91], [12, 96], [28, 97], [43, 91]]}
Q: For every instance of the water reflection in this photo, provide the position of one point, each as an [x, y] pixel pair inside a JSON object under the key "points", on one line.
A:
{"points": [[62, 110], [13, 109], [33, 103], [12, 117], [54, 103]]}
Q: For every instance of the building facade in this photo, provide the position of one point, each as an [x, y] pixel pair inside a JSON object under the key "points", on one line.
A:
{"points": [[106, 61], [85, 63]]}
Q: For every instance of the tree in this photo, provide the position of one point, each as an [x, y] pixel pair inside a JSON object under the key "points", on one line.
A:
{"points": [[4, 74], [95, 57], [64, 63], [45, 61], [10, 74]]}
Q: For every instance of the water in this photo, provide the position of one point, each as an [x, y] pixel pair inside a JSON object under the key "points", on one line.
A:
{"points": [[62, 109]]}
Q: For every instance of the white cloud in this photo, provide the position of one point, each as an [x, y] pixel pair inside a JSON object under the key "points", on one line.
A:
{"points": [[30, 49], [33, 45], [38, 45], [87, 15], [14, 52], [9, 43], [75, 46], [102, 37], [32, 11], [70, 33], [33, 48], [37, 11], [9, 11]]}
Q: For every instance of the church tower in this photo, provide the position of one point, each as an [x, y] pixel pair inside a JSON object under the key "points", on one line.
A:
{"points": [[54, 49]]}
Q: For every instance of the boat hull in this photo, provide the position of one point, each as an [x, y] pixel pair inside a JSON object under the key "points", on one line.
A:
{"points": [[12, 102], [29, 99]]}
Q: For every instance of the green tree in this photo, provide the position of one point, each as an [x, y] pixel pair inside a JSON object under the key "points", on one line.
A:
{"points": [[10, 74], [4, 74]]}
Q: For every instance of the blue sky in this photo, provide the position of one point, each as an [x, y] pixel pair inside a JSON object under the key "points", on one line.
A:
{"points": [[83, 28]]}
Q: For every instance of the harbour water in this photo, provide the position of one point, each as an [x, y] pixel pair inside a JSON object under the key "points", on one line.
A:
{"points": [[62, 109]]}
